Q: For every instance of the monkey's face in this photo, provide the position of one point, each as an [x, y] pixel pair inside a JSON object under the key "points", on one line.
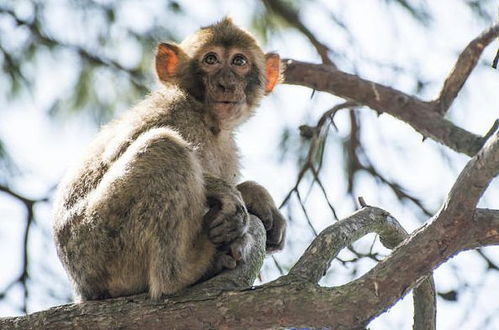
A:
{"points": [[224, 74], [222, 67]]}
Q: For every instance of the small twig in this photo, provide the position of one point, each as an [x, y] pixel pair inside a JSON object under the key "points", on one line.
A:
{"points": [[496, 59], [323, 190], [352, 145], [135, 75], [306, 213], [289, 15], [362, 202], [490, 264], [359, 255], [491, 131], [397, 190], [30, 220], [314, 134], [278, 265]]}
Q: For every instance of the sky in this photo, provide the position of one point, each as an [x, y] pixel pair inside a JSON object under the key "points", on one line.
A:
{"points": [[45, 148]]}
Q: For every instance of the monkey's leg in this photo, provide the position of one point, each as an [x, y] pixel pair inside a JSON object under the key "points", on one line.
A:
{"points": [[260, 203], [151, 204]]}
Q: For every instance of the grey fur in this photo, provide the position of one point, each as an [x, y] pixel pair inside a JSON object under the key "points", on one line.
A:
{"points": [[130, 217]]}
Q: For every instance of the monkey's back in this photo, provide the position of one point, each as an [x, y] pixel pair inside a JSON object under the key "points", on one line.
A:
{"points": [[164, 108], [92, 242]]}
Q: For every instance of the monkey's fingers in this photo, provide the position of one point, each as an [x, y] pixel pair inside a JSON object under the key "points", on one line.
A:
{"points": [[276, 236], [228, 210], [227, 262], [239, 249], [228, 230], [224, 237]]}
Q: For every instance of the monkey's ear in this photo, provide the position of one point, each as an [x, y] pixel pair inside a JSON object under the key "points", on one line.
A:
{"points": [[272, 71], [167, 60]]}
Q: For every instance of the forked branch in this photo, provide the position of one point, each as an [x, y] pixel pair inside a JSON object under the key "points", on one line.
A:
{"points": [[448, 233], [317, 258], [424, 117]]}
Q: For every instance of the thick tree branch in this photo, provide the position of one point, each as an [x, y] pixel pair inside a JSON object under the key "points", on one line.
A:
{"points": [[296, 300], [474, 179], [484, 230], [108, 314], [418, 114], [463, 67], [434, 243], [316, 260], [424, 117], [286, 302]]}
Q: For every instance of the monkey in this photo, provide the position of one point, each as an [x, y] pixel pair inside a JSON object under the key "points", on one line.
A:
{"points": [[154, 205]]}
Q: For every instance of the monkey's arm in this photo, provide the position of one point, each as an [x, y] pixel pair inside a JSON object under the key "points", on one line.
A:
{"points": [[259, 202], [227, 219]]}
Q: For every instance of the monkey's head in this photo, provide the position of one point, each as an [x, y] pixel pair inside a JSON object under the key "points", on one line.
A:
{"points": [[222, 67]]}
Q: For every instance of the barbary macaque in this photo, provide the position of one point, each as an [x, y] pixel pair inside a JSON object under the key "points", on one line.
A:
{"points": [[131, 216]]}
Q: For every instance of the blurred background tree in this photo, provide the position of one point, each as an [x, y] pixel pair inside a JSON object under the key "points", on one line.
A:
{"points": [[71, 66]]}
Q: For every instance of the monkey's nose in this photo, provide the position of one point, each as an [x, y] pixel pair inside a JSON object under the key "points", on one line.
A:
{"points": [[226, 87], [222, 87]]}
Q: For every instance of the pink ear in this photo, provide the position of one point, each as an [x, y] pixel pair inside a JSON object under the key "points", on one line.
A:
{"points": [[166, 61], [272, 71]]}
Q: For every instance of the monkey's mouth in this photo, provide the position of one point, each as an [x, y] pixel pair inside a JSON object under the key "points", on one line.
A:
{"points": [[228, 110], [229, 102], [227, 105]]}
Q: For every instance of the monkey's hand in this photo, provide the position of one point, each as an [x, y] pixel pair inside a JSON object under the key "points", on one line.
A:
{"points": [[227, 219], [259, 203], [229, 255]]}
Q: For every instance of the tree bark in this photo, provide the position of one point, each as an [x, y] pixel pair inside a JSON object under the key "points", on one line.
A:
{"points": [[296, 300]]}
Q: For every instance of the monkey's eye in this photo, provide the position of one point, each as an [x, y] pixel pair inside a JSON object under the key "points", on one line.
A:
{"points": [[239, 60], [210, 59]]}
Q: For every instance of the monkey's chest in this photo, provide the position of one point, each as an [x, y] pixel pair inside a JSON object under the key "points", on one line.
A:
{"points": [[220, 160]]}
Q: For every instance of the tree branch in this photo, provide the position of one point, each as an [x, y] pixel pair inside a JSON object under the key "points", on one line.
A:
{"points": [[284, 11], [317, 258], [474, 179], [484, 230], [136, 77], [108, 314], [418, 114], [23, 278], [431, 245], [283, 303], [424, 117], [465, 63]]}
